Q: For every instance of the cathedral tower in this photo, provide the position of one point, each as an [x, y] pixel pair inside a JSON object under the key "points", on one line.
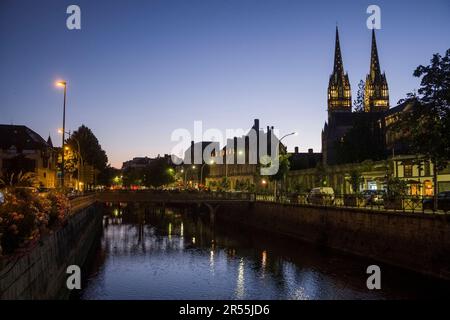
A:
{"points": [[376, 95], [339, 93]]}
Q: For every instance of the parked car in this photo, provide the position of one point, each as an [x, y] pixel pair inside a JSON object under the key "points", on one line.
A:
{"points": [[373, 197], [322, 196], [443, 201]]}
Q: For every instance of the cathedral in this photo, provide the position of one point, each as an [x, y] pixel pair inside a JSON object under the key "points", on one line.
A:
{"points": [[341, 118]]}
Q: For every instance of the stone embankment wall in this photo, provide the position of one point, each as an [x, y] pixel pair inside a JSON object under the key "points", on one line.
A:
{"points": [[41, 272], [419, 242]]}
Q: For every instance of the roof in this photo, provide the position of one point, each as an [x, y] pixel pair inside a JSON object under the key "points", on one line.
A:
{"points": [[405, 106], [20, 137]]}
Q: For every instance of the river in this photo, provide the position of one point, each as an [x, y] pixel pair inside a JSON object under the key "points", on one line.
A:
{"points": [[148, 254]]}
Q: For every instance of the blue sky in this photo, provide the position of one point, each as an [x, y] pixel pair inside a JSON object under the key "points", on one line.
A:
{"points": [[137, 70]]}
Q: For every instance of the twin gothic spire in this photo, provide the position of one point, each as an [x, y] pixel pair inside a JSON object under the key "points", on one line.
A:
{"points": [[376, 95]]}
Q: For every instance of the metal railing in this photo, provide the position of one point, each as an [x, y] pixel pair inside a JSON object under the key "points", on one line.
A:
{"points": [[187, 195], [406, 204]]}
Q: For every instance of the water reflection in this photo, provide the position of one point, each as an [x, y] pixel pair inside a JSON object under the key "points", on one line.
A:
{"points": [[240, 280], [263, 263], [153, 253]]}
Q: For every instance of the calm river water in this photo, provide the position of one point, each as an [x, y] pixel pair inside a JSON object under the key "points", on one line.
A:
{"points": [[145, 254]]}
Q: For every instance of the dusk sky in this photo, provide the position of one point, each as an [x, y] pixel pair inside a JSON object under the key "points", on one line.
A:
{"points": [[137, 70]]}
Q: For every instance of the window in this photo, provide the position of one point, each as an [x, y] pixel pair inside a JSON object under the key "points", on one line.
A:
{"points": [[427, 169], [428, 185], [407, 170]]}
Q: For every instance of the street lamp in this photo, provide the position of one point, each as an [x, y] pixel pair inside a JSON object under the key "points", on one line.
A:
{"points": [[287, 135], [185, 173], [201, 170], [63, 84]]}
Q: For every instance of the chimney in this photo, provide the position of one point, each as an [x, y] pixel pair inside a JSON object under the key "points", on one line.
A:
{"points": [[310, 151], [235, 150], [256, 125], [296, 149]]}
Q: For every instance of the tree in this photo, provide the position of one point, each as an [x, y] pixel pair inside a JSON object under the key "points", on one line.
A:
{"points": [[133, 177], [90, 149], [396, 188], [158, 173], [321, 176], [283, 169], [298, 188], [355, 180], [106, 176], [358, 103], [70, 161], [427, 125]]}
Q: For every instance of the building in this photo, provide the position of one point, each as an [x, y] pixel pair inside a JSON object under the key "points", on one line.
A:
{"points": [[143, 162], [304, 160], [395, 142], [197, 159], [374, 176], [340, 116], [376, 94], [391, 158], [23, 150], [418, 173], [136, 163], [339, 90], [240, 161]]}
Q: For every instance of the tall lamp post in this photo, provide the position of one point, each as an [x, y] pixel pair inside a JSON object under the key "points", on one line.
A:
{"points": [[63, 84], [201, 170]]}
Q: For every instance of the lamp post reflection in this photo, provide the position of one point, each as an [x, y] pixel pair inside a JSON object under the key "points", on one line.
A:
{"points": [[240, 280], [264, 262]]}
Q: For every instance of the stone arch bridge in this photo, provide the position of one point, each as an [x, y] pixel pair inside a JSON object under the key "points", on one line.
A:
{"points": [[211, 200]]}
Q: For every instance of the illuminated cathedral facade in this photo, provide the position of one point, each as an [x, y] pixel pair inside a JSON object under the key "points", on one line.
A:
{"points": [[341, 118]]}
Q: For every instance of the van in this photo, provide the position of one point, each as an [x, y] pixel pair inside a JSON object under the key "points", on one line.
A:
{"points": [[321, 196]]}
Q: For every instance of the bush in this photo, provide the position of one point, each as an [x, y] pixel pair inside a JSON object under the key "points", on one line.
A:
{"points": [[58, 210], [396, 188], [25, 214]]}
